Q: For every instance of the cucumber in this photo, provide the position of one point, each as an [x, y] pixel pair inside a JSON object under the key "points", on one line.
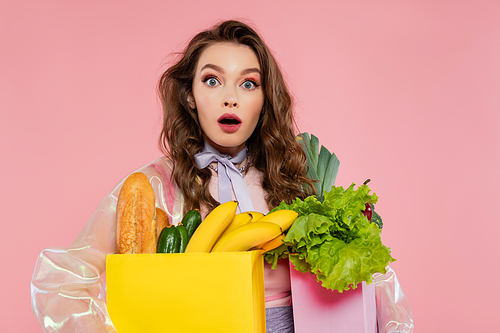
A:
{"points": [[184, 237], [169, 240], [191, 221]]}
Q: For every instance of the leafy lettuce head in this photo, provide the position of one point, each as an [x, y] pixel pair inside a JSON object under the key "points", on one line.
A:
{"points": [[334, 240]]}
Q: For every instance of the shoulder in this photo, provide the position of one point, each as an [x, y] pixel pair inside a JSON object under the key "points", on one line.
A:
{"points": [[159, 169]]}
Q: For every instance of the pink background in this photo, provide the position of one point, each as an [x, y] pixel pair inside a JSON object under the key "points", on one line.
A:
{"points": [[405, 92]]}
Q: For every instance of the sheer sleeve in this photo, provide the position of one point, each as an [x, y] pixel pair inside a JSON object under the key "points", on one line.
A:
{"points": [[393, 309], [68, 288]]}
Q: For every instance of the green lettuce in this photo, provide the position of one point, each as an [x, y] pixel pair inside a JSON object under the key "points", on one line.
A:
{"points": [[333, 239]]}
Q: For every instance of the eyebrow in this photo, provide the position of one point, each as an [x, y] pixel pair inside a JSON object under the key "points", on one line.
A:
{"points": [[250, 70], [221, 70]]}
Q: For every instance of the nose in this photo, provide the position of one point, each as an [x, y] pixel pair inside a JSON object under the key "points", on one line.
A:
{"points": [[230, 99], [231, 104]]}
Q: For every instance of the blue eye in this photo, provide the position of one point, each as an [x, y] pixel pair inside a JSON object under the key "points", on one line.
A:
{"points": [[211, 81], [249, 85]]}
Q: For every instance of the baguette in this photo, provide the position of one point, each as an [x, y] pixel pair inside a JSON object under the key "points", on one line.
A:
{"points": [[135, 216]]}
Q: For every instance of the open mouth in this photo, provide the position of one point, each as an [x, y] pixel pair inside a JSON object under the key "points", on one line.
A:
{"points": [[229, 120]]}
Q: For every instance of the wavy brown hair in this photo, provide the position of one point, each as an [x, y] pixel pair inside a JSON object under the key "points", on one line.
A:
{"points": [[272, 146]]}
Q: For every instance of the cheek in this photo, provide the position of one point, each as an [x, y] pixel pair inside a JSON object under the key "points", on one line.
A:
{"points": [[204, 106], [256, 109], [204, 103], [207, 126]]}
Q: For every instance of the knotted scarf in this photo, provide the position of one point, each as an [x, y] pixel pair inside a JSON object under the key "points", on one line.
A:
{"points": [[228, 174]]}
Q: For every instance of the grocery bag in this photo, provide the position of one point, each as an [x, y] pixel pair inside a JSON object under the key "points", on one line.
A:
{"points": [[188, 292], [318, 309]]}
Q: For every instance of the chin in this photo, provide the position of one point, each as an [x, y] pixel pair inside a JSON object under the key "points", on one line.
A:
{"points": [[231, 144], [228, 144]]}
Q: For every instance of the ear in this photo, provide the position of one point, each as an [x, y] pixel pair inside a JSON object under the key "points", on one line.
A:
{"points": [[190, 99]]}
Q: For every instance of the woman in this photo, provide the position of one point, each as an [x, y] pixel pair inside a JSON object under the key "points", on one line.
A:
{"points": [[228, 133]]}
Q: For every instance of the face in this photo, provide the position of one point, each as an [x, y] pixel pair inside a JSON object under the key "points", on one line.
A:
{"points": [[228, 95]]}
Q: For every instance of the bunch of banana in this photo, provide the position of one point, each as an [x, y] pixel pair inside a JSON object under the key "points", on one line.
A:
{"points": [[212, 227], [272, 244], [284, 218], [241, 219], [247, 236], [225, 231]]}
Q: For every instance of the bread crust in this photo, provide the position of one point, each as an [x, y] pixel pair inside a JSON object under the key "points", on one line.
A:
{"points": [[135, 216], [161, 221]]}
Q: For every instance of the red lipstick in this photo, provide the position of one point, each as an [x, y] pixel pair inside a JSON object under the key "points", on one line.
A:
{"points": [[229, 122]]}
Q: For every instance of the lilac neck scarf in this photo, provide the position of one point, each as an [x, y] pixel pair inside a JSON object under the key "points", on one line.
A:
{"points": [[228, 174]]}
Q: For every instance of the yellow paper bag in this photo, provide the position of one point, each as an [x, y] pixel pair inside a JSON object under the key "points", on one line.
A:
{"points": [[188, 292]]}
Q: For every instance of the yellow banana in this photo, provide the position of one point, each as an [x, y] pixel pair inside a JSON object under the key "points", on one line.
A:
{"points": [[247, 236], [212, 227], [238, 220], [284, 218], [272, 244], [256, 216]]}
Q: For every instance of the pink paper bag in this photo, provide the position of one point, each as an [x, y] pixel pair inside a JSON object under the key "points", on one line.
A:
{"points": [[320, 310]]}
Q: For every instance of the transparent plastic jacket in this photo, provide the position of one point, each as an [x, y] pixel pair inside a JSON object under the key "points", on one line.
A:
{"points": [[68, 289]]}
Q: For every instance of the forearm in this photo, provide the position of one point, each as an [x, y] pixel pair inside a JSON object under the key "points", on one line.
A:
{"points": [[393, 308]]}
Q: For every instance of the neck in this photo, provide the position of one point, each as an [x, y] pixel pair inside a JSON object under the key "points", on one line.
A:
{"points": [[231, 151]]}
